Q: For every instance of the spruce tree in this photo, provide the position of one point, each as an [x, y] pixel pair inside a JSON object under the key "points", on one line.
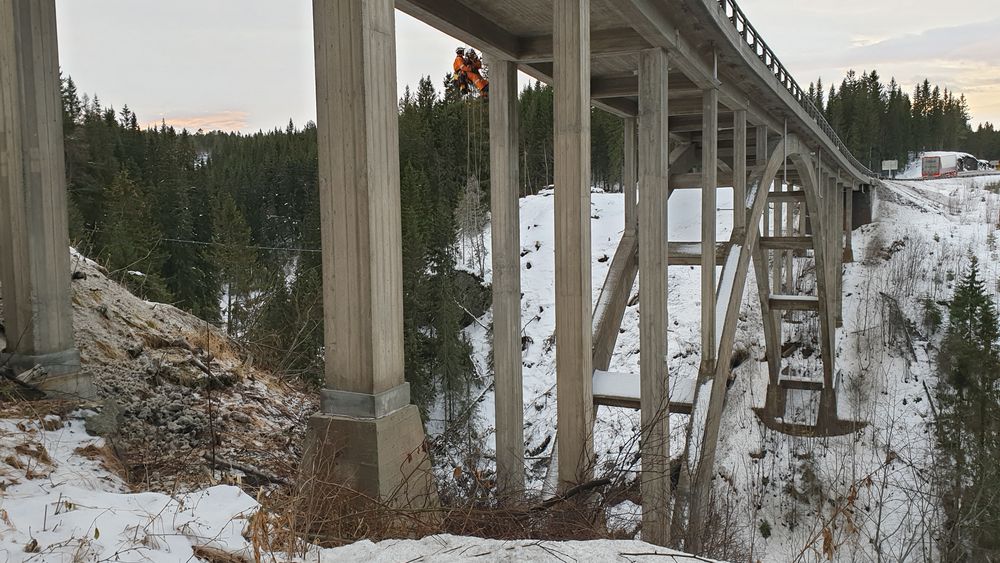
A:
{"points": [[234, 258], [968, 423]]}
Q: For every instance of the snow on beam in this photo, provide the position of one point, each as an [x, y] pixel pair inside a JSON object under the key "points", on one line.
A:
{"points": [[622, 390], [689, 253]]}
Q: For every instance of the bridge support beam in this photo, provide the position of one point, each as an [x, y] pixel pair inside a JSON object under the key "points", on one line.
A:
{"points": [[34, 232], [574, 367], [367, 435], [506, 241], [848, 224], [629, 180], [654, 192], [739, 171], [709, 200], [778, 256], [763, 153], [772, 323], [862, 204], [837, 233]]}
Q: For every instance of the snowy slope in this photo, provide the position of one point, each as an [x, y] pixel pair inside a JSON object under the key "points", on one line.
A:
{"points": [[859, 492], [615, 428], [871, 490], [60, 504]]}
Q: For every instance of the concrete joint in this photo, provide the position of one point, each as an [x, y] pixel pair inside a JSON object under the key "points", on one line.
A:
{"points": [[59, 373], [364, 405], [65, 362]]}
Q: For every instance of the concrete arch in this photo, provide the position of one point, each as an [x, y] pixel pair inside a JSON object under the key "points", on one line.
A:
{"points": [[819, 205], [744, 250]]}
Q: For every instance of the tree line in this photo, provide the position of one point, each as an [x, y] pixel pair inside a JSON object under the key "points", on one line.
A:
{"points": [[879, 121], [227, 226]]}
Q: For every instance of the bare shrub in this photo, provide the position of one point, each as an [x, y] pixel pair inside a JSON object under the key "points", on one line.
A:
{"points": [[874, 249]]}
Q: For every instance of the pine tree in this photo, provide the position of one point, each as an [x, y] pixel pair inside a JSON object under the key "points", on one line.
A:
{"points": [[235, 259], [968, 425]]}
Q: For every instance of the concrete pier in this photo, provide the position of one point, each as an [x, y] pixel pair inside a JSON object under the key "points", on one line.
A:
{"points": [[367, 436], [34, 232]]}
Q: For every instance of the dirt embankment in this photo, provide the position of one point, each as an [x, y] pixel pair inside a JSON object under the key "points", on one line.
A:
{"points": [[175, 392]]}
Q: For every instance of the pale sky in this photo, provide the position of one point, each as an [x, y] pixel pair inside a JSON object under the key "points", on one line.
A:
{"points": [[248, 64]]}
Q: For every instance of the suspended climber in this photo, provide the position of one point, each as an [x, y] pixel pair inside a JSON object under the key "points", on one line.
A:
{"points": [[468, 73]]}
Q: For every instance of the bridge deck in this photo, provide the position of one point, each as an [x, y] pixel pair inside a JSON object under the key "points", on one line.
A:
{"points": [[699, 35]]}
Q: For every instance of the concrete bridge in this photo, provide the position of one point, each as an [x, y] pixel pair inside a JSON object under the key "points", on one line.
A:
{"points": [[705, 103]]}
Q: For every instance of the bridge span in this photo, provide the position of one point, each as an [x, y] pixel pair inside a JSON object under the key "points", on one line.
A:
{"points": [[705, 102]]}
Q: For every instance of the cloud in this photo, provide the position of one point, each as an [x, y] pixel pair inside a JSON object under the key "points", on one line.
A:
{"points": [[974, 41], [227, 120], [962, 58]]}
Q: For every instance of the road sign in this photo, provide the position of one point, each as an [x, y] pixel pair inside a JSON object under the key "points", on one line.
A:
{"points": [[890, 165]]}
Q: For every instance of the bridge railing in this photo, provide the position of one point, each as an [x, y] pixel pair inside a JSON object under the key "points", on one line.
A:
{"points": [[754, 40]]}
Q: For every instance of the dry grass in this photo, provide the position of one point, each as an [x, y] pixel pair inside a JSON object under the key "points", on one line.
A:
{"points": [[106, 456], [35, 451]]}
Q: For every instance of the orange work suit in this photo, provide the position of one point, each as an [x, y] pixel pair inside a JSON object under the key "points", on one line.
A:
{"points": [[466, 72]]}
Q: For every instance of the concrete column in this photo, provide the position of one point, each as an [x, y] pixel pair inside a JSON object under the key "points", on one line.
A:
{"points": [[848, 224], [367, 435], [709, 205], [862, 202], [653, 193], [628, 177], [574, 367], [778, 256], [789, 231], [739, 170], [761, 160], [828, 227], [506, 255], [802, 218], [34, 232], [837, 233]]}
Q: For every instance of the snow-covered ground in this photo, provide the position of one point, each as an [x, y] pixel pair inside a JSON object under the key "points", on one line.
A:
{"points": [[60, 504], [856, 495]]}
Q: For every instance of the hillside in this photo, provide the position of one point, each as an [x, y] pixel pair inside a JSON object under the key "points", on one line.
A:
{"points": [[128, 478], [870, 491], [175, 389], [144, 486]]}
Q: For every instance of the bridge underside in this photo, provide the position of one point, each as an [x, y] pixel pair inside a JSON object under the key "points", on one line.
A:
{"points": [[705, 103]]}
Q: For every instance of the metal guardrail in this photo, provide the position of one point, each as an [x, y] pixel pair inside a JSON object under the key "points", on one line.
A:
{"points": [[754, 40]]}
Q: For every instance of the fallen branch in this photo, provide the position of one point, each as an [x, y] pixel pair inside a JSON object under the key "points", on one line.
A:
{"points": [[572, 492], [200, 365], [675, 555], [218, 462], [474, 318]]}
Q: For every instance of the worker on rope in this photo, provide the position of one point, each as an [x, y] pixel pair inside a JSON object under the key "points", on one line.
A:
{"points": [[468, 67]]}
